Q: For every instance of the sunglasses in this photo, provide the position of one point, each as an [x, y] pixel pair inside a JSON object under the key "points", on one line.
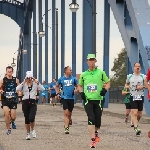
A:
{"points": [[29, 78]]}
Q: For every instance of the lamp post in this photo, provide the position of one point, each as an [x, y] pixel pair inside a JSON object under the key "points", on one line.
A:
{"points": [[55, 38], [56, 44], [13, 63], [41, 32], [74, 6], [24, 51]]}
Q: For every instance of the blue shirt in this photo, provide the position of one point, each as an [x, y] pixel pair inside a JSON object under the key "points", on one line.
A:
{"points": [[45, 91], [52, 85], [68, 85]]}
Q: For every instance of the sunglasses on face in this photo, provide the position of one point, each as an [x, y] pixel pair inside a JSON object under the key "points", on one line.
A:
{"points": [[29, 78]]}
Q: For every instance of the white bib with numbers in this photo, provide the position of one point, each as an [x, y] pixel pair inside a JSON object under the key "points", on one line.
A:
{"points": [[137, 97]]}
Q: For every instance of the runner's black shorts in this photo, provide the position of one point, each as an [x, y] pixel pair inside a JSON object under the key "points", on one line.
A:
{"points": [[10, 103], [128, 105], [68, 104], [137, 104], [53, 95]]}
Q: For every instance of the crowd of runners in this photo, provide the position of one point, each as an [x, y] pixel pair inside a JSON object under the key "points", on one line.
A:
{"points": [[92, 85]]}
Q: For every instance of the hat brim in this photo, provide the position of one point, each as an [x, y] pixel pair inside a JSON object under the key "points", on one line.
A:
{"points": [[91, 58]]}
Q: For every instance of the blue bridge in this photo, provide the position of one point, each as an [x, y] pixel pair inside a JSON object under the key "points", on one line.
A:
{"points": [[132, 18]]}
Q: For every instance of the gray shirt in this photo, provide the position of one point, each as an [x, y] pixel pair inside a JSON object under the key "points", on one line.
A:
{"points": [[32, 94], [135, 80]]}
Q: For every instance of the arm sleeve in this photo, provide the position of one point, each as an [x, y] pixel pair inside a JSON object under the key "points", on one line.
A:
{"points": [[19, 87], [40, 87], [76, 81], [81, 79], [105, 78], [59, 81], [51, 86]]}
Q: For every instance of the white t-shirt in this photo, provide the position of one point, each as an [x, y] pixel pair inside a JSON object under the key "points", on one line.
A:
{"points": [[135, 80]]}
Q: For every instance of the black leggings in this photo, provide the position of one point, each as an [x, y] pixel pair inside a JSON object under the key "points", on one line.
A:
{"points": [[29, 109], [93, 110]]}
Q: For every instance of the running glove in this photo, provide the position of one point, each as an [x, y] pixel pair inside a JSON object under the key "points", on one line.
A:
{"points": [[83, 95], [103, 92]]}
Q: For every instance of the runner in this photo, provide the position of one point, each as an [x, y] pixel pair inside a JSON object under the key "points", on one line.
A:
{"points": [[53, 92], [9, 98], [126, 92], [29, 87], [92, 80], [135, 82], [44, 93], [68, 84]]}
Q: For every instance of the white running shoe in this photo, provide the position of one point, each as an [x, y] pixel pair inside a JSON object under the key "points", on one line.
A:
{"points": [[28, 137], [34, 134]]}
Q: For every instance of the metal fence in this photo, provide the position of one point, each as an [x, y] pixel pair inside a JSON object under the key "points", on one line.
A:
{"points": [[115, 95]]}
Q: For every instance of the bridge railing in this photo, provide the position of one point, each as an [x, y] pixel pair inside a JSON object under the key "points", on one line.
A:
{"points": [[115, 95]]}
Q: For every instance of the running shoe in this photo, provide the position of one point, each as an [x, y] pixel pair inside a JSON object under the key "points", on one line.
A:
{"points": [[70, 122], [67, 130], [33, 134], [92, 144], [138, 131], [8, 132], [14, 125], [132, 125], [97, 138], [28, 136]]}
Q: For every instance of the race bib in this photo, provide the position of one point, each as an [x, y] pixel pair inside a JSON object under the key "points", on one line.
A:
{"points": [[68, 82], [92, 88], [43, 93], [137, 97], [10, 94]]}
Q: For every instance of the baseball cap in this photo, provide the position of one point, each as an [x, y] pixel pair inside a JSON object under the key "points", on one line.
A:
{"points": [[29, 74], [91, 56]]}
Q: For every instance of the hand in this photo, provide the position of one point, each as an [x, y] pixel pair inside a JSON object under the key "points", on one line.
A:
{"points": [[127, 86], [37, 97], [76, 91], [139, 87], [35, 80], [58, 96], [1, 91], [24, 81], [83, 95], [20, 102], [103, 92]]}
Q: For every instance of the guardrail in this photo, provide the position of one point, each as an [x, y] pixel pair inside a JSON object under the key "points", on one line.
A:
{"points": [[115, 95]]}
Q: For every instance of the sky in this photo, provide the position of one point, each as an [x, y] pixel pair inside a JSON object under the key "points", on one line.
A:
{"points": [[9, 38]]}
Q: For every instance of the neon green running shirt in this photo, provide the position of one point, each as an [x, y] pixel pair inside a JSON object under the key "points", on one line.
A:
{"points": [[92, 81]]}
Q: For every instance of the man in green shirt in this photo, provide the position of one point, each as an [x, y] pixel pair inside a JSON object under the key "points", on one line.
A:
{"points": [[92, 93]]}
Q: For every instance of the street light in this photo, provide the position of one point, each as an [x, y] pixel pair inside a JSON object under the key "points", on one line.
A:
{"points": [[13, 63], [41, 32], [74, 6], [24, 51]]}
